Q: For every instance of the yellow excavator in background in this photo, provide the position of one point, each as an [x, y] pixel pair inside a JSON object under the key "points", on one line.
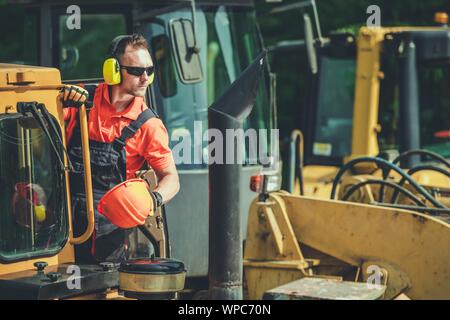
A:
{"points": [[398, 108], [379, 100], [382, 94]]}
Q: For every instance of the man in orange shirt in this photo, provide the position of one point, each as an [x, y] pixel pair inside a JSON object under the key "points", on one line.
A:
{"points": [[124, 134]]}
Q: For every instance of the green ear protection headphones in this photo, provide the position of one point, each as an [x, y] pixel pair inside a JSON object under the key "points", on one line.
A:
{"points": [[111, 66]]}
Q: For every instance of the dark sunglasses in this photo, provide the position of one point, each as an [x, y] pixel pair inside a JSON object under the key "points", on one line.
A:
{"points": [[138, 71]]}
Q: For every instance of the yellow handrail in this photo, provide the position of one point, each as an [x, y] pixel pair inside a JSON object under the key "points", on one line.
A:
{"points": [[87, 179]]}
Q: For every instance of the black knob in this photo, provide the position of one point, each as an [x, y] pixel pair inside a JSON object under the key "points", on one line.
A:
{"points": [[40, 265], [107, 266], [53, 276]]}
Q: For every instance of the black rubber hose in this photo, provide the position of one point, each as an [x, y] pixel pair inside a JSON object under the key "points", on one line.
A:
{"points": [[405, 191], [382, 163], [417, 169], [422, 152], [385, 176]]}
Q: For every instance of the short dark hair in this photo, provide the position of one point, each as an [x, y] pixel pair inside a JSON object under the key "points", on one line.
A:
{"points": [[135, 40]]}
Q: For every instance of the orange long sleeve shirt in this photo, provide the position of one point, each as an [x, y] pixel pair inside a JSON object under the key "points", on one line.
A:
{"points": [[150, 143]]}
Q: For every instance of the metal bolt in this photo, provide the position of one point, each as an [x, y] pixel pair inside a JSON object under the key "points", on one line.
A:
{"points": [[40, 265], [107, 266], [53, 276]]}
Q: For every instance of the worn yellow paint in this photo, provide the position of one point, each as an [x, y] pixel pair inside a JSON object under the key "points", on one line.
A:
{"points": [[410, 248], [318, 180], [270, 224], [25, 265], [416, 244], [259, 280]]}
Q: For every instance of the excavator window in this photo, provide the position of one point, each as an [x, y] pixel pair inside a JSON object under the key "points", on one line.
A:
{"points": [[333, 127], [81, 52], [228, 42], [165, 65], [33, 219], [435, 108]]}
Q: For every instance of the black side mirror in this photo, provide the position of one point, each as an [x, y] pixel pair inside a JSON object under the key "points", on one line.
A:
{"points": [[187, 54]]}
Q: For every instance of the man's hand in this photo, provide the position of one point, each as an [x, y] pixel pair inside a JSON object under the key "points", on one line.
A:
{"points": [[73, 96]]}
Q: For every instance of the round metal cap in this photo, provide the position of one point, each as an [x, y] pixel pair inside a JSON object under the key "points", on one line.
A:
{"points": [[152, 266]]}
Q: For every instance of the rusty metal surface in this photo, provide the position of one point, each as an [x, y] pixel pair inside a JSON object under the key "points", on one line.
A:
{"points": [[325, 289]]}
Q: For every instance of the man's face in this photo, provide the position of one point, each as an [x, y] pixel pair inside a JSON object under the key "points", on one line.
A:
{"points": [[135, 57]]}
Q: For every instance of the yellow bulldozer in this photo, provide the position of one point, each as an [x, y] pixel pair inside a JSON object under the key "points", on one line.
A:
{"points": [[378, 101]]}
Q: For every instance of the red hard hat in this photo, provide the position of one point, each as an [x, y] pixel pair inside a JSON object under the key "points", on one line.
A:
{"points": [[128, 204], [29, 197]]}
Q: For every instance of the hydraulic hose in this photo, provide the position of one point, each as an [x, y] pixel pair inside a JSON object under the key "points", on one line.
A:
{"points": [[417, 169], [422, 152], [401, 189], [383, 163]]}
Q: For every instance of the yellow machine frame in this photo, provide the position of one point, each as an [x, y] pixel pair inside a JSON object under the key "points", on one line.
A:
{"points": [[290, 237], [26, 83], [318, 178]]}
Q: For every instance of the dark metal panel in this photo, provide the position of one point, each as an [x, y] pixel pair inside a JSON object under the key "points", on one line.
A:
{"points": [[33, 285], [152, 2], [431, 45], [409, 103], [187, 218], [46, 52]]}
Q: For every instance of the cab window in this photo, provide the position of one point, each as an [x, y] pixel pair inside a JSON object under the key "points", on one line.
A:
{"points": [[82, 52]]}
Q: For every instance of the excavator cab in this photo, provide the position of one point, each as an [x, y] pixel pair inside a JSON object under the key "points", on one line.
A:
{"points": [[34, 220]]}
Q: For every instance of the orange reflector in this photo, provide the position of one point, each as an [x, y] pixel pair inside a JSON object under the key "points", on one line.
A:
{"points": [[441, 17], [442, 134], [256, 183]]}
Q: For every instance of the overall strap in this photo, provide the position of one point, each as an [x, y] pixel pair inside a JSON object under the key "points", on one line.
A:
{"points": [[130, 130], [90, 88]]}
